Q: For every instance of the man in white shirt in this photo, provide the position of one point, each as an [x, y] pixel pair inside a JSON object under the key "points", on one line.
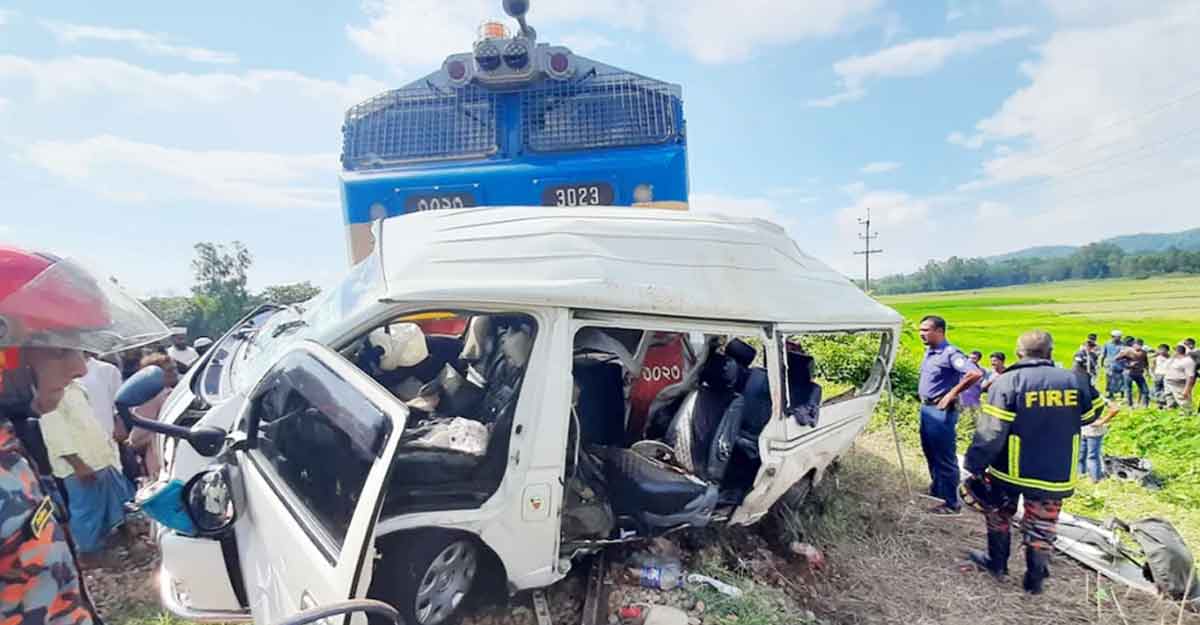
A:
{"points": [[102, 381], [1180, 379], [180, 351]]}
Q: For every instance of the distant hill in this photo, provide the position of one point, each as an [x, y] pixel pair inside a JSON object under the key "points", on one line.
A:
{"points": [[1040, 251], [1147, 243]]}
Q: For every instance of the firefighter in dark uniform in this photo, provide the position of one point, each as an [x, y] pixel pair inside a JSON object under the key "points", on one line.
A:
{"points": [[1027, 446], [52, 312]]}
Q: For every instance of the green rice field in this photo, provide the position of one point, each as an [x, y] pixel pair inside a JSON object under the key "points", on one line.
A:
{"points": [[1158, 310]]}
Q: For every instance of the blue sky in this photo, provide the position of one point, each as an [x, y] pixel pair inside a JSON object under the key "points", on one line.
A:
{"points": [[130, 131]]}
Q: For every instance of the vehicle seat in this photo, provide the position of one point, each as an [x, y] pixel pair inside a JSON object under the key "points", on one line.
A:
{"points": [[601, 406], [804, 401], [699, 433], [654, 494]]}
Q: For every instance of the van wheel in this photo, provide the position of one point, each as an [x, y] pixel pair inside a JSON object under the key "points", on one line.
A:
{"points": [[433, 574], [779, 526], [795, 496]]}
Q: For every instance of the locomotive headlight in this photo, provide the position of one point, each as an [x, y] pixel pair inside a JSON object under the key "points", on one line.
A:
{"points": [[516, 55], [643, 193], [556, 62], [487, 56]]}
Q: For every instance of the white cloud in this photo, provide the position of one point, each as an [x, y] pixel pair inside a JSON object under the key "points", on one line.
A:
{"points": [[715, 203], [855, 189], [3, 104], [893, 27], [993, 210], [83, 76], [717, 31], [914, 58], [793, 195], [416, 34], [586, 43], [1103, 119], [251, 110], [888, 208], [880, 167], [954, 14], [973, 142], [123, 170], [151, 43], [6, 16]]}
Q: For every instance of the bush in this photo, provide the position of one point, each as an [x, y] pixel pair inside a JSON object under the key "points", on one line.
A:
{"points": [[842, 358]]}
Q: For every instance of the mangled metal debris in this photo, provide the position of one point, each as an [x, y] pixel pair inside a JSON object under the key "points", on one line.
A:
{"points": [[1160, 564]]}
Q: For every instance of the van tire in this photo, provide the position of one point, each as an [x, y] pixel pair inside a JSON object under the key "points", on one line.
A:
{"points": [[775, 525], [430, 574], [795, 496]]}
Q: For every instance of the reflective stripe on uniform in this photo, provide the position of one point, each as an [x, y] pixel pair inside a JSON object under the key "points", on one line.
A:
{"points": [[1096, 409], [1014, 455], [1074, 456], [1053, 487], [999, 413]]}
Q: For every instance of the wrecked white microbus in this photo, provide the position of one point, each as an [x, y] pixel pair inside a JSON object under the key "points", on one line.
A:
{"points": [[497, 392]]}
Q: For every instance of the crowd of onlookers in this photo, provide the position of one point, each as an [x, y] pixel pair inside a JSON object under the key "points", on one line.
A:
{"points": [[96, 460], [1131, 372]]}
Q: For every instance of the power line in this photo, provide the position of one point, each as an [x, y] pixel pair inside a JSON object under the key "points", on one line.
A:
{"points": [[1150, 147], [867, 236], [1150, 112]]}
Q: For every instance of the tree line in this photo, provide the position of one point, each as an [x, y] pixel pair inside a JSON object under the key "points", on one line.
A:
{"points": [[1090, 262], [220, 296]]}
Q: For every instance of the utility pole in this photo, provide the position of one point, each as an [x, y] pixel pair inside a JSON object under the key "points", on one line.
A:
{"points": [[867, 236]]}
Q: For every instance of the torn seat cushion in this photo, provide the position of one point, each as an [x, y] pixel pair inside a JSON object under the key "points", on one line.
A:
{"points": [[640, 485]]}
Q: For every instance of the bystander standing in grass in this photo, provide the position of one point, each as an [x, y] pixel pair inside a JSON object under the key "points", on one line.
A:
{"points": [[1161, 358], [1136, 362], [1086, 358], [1108, 361], [1190, 344], [996, 360], [1180, 379], [970, 397]]}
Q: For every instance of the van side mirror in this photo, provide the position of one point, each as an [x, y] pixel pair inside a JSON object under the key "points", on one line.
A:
{"points": [[368, 607], [208, 499], [141, 387], [144, 386]]}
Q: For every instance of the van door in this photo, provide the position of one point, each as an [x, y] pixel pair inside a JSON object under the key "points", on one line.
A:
{"points": [[323, 435]]}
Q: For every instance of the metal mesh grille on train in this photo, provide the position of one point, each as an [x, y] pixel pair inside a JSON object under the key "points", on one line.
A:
{"points": [[598, 112], [420, 124]]}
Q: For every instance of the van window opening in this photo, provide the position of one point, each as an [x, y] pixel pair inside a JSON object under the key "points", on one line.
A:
{"points": [[460, 375], [664, 428], [846, 365]]}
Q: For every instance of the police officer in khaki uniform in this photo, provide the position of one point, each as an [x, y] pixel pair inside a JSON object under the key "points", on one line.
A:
{"points": [[1026, 446]]}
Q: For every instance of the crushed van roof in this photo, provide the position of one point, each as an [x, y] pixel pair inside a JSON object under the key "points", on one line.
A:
{"points": [[652, 261]]}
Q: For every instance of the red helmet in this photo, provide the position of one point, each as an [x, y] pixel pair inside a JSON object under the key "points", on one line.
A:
{"points": [[46, 301]]}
